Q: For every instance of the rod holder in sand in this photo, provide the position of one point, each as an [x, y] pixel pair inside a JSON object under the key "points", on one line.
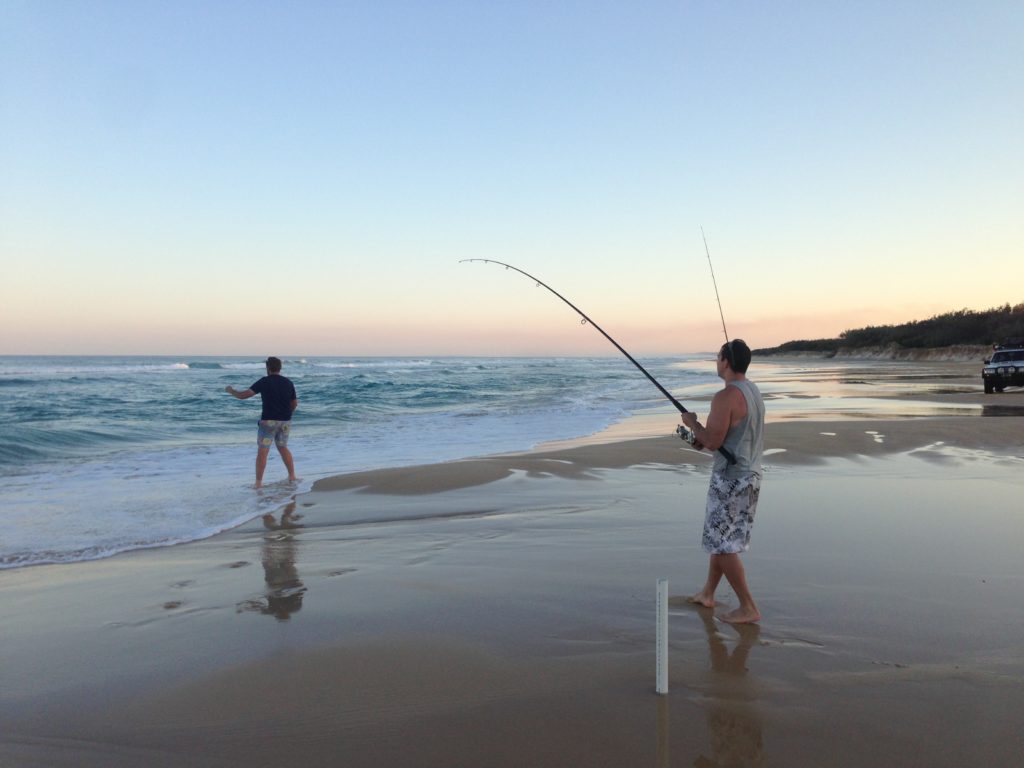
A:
{"points": [[661, 670]]}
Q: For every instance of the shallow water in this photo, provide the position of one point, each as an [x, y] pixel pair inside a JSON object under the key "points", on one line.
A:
{"points": [[107, 454], [103, 455]]}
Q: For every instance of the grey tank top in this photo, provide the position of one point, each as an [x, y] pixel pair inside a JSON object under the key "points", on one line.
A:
{"points": [[746, 439]]}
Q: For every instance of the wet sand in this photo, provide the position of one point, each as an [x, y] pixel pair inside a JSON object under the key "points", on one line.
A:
{"points": [[501, 611]]}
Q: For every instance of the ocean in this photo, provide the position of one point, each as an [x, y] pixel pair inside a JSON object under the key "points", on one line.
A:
{"points": [[102, 455]]}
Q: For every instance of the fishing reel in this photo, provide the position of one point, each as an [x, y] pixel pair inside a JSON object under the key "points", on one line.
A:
{"points": [[687, 435]]}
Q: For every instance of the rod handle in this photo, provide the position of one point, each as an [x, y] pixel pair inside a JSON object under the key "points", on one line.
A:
{"points": [[722, 449]]}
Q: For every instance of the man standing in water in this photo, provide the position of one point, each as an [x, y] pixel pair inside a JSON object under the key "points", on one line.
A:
{"points": [[736, 421], [279, 401]]}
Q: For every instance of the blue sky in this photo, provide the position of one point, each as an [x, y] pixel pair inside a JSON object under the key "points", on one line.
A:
{"points": [[228, 177]]}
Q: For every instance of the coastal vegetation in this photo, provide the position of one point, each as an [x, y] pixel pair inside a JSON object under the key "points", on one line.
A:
{"points": [[964, 328]]}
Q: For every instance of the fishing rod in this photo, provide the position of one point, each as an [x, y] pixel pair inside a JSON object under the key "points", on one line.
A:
{"points": [[724, 451], [714, 283]]}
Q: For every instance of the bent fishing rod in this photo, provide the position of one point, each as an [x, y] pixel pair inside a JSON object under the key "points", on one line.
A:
{"points": [[540, 284]]}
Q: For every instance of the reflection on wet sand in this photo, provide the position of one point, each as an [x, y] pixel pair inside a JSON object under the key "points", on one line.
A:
{"points": [[663, 761], [289, 518], [734, 726], [284, 588], [1002, 410]]}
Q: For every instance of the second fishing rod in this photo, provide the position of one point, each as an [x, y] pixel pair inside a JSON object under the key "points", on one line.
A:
{"points": [[724, 451]]}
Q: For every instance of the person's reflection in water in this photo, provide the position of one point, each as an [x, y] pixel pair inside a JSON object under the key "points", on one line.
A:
{"points": [[284, 588], [733, 724]]}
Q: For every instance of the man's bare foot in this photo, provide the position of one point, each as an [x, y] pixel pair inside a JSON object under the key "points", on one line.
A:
{"points": [[257, 486], [741, 616], [701, 599], [294, 479]]}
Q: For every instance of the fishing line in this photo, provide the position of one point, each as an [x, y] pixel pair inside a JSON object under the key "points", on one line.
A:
{"points": [[715, 283], [724, 451]]}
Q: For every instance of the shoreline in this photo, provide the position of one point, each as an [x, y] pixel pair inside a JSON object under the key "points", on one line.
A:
{"points": [[801, 428], [499, 610]]}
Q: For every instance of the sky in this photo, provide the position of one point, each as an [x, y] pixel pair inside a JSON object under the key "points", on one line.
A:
{"points": [[304, 178]]}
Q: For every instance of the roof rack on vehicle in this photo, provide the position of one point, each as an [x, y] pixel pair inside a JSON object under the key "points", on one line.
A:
{"points": [[1010, 344]]}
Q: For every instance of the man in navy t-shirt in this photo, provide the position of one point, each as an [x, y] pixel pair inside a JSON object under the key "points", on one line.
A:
{"points": [[279, 401]]}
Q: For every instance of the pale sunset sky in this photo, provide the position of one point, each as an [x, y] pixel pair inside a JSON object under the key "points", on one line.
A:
{"points": [[302, 178]]}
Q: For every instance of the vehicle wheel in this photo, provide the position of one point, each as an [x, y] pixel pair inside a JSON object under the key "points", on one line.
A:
{"points": [[999, 390], [988, 388]]}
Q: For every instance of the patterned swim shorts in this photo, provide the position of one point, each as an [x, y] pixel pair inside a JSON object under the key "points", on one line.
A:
{"points": [[271, 431], [730, 513]]}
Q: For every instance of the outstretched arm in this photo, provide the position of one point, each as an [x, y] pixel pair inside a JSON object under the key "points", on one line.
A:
{"points": [[240, 395]]}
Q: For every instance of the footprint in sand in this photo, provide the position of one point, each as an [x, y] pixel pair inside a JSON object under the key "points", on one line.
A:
{"points": [[238, 564], [172, 604]]}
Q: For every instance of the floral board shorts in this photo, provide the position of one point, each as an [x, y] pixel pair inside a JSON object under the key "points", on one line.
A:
{"points": [[271, 432], [730, 513]]}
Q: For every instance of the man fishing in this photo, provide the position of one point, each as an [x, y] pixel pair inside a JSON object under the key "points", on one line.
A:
{"points": [[736, 422], [279, 402]]}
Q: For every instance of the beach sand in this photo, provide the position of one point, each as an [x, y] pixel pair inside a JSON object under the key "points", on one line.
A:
{"points": [[500, 611]]}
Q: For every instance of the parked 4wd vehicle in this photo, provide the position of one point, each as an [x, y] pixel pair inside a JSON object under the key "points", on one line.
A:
{"points": [[1005, 368]]}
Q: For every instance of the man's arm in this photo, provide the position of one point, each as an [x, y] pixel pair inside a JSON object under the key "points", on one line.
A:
{"points": [[240, 395], [295, 404], [719, 420]]}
